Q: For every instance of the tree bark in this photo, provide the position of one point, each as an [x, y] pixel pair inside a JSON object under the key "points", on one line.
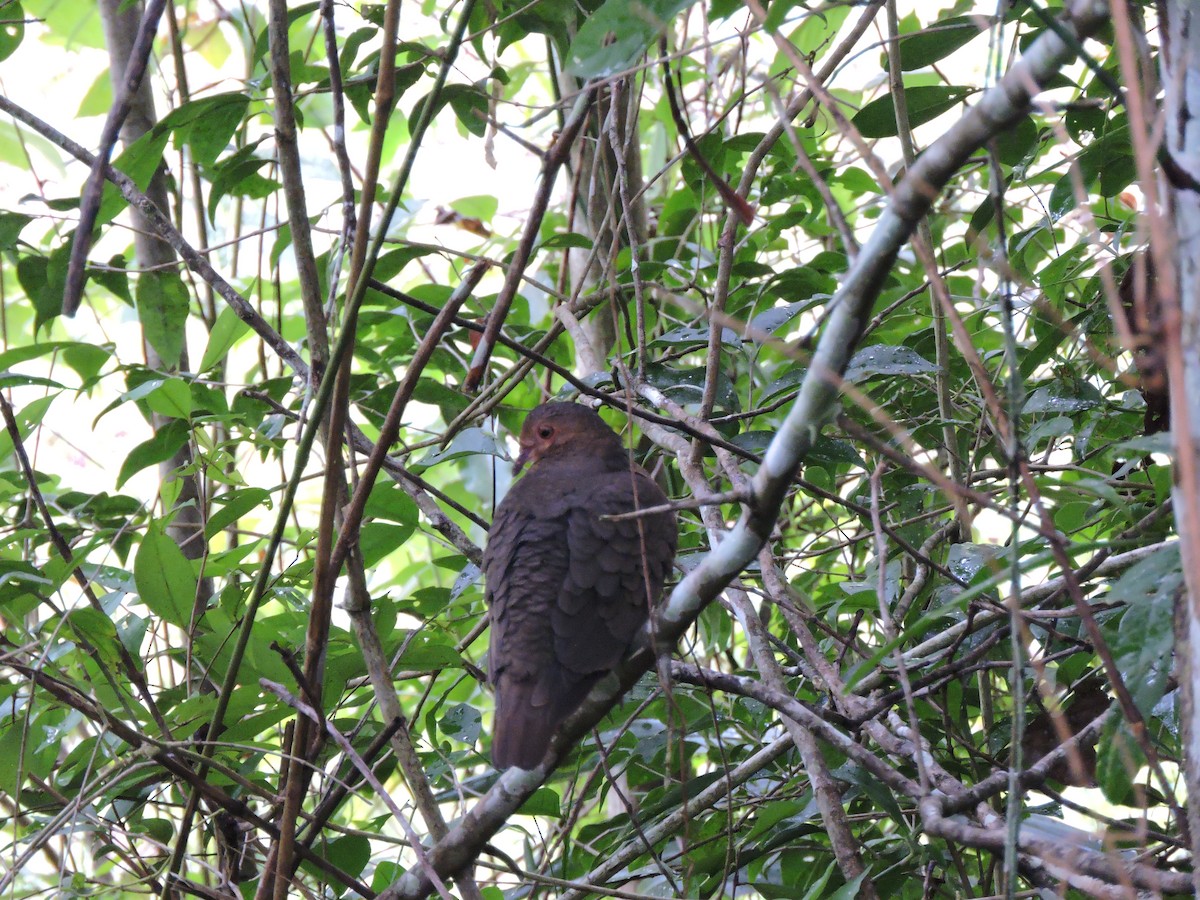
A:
{"points": [[597, 212], [1179, 293], [120, 27]]}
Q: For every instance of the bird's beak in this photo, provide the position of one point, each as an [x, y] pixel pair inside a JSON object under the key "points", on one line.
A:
{"points": [[522, 459]]}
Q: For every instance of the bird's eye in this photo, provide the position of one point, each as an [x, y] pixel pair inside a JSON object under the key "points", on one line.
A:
{"points": [[545, 432]]}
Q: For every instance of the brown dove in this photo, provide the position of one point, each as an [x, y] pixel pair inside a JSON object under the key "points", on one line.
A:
{"points": [[568, 590]]}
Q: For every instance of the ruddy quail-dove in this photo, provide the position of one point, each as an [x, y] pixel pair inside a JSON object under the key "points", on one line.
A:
{"points": [[568, 589]]}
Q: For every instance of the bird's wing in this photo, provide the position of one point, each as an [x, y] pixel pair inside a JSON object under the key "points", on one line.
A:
{"points": [[524, 565], [616, 569]]}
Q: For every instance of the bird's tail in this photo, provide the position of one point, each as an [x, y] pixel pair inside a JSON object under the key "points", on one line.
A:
{"points": [[522, 730], [527, 715]]}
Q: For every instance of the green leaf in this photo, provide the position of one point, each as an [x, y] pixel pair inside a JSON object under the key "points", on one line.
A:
{"points": [[831, 451], [98, 631], [777, 12], [12, 745], [468, 102], [925, 103], [12, 28], [28, 417], [392, 263], [1063, 396], [817, 891], [159, 448], [1142, 645], [43, 279], [618, 33], [350, 853], [849, 890], [1106, 162], [468, 442], [687, 385], [70, 25], [237, 176], [16, 379], [543, 802], [449, 402], [462, 722], [162, 305], [1014, 144], [207, 125], [295, 12], [139, 392], [1062, 197], [776, 317], [16, 145], [164, 577], [378, 539], [387, 872], [11, 225], [1117, 761], [86, 360], [427, 654], [360, 93], [981, 218], [939, 40], [172, 398], [816, 29], [226, 331], [479, 206], [387, 501], [886, 360], [22, 586], [565, 240], [113, 279], [692, 335], [230, 507], [1160, 442], [99, 99]]}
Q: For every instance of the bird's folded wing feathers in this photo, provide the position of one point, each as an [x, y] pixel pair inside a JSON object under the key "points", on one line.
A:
{"points": [[616, 568], [524, 567]]}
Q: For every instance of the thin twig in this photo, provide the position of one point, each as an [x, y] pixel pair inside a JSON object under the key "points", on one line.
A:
{"points": [[89, 201]]}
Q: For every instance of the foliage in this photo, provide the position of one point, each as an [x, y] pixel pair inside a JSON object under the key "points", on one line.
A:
{"points": [[168, 535]]}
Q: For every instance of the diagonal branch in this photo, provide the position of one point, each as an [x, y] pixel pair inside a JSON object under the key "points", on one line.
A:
{"points": [[554, 159], [89, 203]]}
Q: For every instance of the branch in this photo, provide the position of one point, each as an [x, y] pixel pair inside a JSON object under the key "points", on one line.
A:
{"points": [[93, 191], [165, 230], [287, 149], [1061, 857], [555, 157], [679, 818]]}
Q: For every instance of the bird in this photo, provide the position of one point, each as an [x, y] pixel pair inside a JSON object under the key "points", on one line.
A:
{"points": [[568, 589]]}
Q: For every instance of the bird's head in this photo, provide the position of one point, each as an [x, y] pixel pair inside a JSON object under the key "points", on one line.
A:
{"points": [[555, 429]]}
